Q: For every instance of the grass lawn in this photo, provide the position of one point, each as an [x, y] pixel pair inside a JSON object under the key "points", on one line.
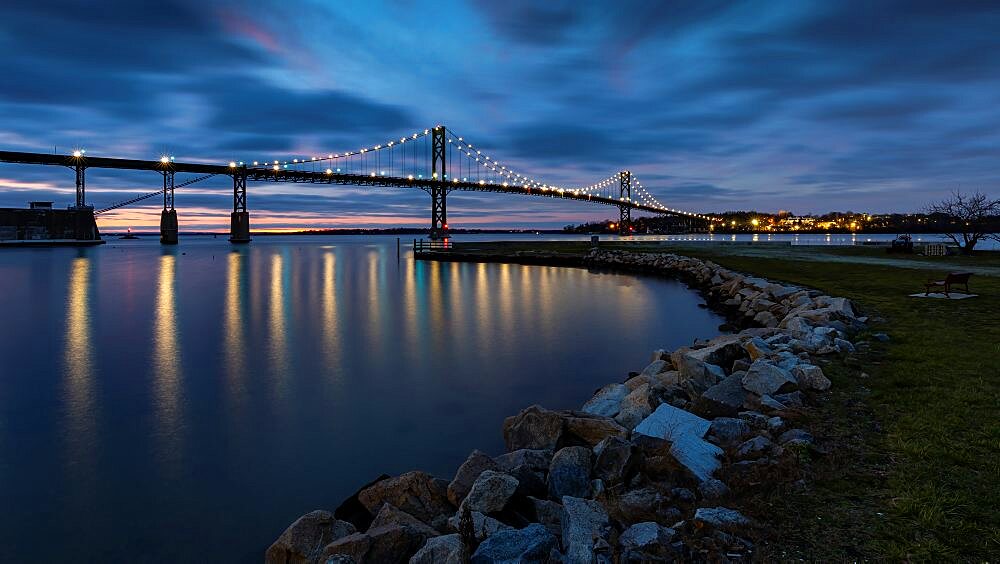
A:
{"points": [[916, 474]]}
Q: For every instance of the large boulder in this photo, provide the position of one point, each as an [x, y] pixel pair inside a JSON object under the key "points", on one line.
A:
{"points": [[635, 407], [607, 400], [720, 518], [724, 399], [585, 530], [446, 549], [533, 428], [635, 506], [394, 536], [685, 432], [615, 460], [646, 542], [490, 493], [546, 512], [587, 429], [303, 541], [764, 378], [474, 465], [482, 525], [529, 545], [533, 459], [569, 473], [416, 493], [538, 428], [757, 348], [729, 430]]}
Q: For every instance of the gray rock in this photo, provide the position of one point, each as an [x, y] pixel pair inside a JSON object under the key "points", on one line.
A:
{"points": [[417, 493], [881, 337], [466, 475], [795, 434], [810, 377], [534, 459], [303, 541], [842, 306], [635, 407], [766, 319], [791, 399], [392, 515], [764, 378], [531, 544], [491, 492], [548, 513], [798, 327], [757, 348], [569, 473], [446, 549], [533, 428], [591, 429], [385, 543], [755, 448], [720, 517], [723, 399], [646, 542], [685, 431], [482, 525], [729, 430], [585, 524], [774, 424], [768, 403], [654, 368], [614, 460], [713, 489], [607, 400], [844, 346]]}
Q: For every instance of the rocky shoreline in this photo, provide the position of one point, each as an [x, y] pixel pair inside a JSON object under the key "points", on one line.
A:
{"points": [[642, 472]]}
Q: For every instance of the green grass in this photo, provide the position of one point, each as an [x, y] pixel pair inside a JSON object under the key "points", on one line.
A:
{"points": [[915, 471]]}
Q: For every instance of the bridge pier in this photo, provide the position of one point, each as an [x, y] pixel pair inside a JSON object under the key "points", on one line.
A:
{"points": [[168, 217], [239, 220], [439, 213]]}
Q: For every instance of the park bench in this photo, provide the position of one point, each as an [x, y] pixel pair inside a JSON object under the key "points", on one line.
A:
{"points": [[952, 279]]}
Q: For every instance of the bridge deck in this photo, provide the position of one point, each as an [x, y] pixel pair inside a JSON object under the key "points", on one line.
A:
{"points": [[260, 174]]}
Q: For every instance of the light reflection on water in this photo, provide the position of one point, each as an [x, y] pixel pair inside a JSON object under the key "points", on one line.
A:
{"points": [[203, 398]]}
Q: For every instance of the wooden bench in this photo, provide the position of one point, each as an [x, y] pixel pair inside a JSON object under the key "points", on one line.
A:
{"points": [[953, 279]]}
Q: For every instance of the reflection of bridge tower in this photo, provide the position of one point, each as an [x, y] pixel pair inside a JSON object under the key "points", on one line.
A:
{"points": [[168, 217], [625, 207], [439, 190]]}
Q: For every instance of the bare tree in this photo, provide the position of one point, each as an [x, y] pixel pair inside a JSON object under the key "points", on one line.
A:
{"points": [[974, 217]]}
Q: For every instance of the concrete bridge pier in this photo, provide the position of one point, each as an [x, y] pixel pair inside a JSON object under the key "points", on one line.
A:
{"points": [[168, 217], [168, 227], [239, 227]]}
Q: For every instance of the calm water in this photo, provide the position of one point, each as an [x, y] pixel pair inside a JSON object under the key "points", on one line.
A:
{"points": [[187, 403]]}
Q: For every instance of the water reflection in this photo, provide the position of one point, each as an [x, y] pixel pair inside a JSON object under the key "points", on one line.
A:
{"points": [[278, 338], [80, 430], [234, 336], [331, 330], [166, 366]]}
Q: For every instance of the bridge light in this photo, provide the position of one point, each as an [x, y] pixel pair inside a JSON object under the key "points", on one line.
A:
{"points": [[454, 180], [164, 159], [410, 177], [232, 164], [276, 167], [372, 174], [255, 163], [329, 171], [330, 156], [78, 153], [481, 182], [338, 170]]}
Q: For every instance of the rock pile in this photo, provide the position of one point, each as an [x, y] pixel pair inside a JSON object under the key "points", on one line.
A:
{"points": [[642, 472]]}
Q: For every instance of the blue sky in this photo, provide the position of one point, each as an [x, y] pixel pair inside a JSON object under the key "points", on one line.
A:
{"points": [[799, 105]]}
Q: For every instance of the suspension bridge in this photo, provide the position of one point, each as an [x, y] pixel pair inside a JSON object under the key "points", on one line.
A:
{"points": [[434, 160]]}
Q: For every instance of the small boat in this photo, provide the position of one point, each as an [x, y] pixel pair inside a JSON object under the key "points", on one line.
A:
{"points": [[129, 235]]}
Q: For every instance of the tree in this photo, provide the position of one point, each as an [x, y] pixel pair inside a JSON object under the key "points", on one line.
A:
{"points": [[974, 217]]}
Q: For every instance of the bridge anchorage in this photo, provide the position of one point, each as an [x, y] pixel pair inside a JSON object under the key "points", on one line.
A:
{"points": [[436, 160]]}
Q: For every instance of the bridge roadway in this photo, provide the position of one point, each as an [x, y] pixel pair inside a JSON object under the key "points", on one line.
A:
{"points": [[262, 174], [242, 174]]}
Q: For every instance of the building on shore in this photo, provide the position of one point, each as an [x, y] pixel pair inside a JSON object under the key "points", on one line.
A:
{"points": [[40, 225]]}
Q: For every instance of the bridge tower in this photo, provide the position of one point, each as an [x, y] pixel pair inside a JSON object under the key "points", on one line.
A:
{"points": [[168, 217], [625, 210], [239, 220], [81, 181], [439, 189]]}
